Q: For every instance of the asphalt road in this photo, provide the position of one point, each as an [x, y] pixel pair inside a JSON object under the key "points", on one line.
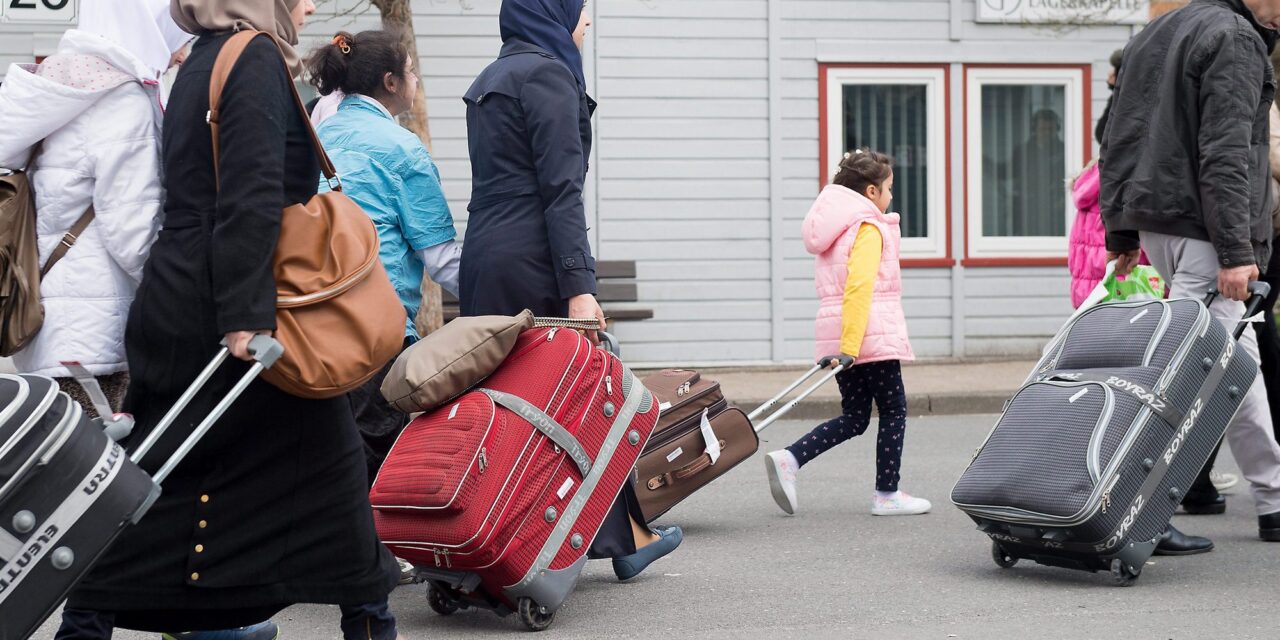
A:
{"points": [[835, 571]]}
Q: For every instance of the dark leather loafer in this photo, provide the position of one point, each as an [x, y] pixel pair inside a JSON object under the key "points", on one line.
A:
{"points": [[1212, 506], [1177, 543], [1269, 527]]}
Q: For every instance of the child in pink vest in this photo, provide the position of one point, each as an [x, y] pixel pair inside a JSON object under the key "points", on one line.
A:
{"points": [[1087, 252], [859, 282]]}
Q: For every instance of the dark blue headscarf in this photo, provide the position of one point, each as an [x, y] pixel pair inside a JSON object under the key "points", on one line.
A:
{"points": [[549, 24]]}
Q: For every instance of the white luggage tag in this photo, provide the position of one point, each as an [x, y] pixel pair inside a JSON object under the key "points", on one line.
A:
{"points": [[116, 425], [713, 443]]}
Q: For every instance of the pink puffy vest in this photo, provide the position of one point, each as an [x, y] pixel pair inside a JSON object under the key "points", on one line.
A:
{"points": [[829, 231], [1087, 244]]}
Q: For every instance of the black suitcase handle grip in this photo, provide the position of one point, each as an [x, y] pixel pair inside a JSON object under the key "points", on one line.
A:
{"points": [[843, 361], [1258, 292]]}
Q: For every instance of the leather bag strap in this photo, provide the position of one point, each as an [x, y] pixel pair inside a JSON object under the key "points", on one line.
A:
{"points": [[222, 66], [68, 240]]}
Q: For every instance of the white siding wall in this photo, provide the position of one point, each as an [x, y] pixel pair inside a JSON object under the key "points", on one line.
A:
{"points": [[689, 179], [683, 171]]}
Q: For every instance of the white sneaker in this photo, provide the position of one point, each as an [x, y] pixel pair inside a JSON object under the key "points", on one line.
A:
{"points": [[1223, 481], [407, 571], [899, 503], [782, 466]]}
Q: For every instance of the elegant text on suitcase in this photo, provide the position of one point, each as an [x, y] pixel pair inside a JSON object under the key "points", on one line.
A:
{"points": [[67, 491]]}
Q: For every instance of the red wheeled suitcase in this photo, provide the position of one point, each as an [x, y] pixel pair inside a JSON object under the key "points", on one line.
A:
{"points": [[67, 491], [497, 496]]}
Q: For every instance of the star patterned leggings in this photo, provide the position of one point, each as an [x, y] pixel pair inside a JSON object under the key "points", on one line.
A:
{"points": [[859, 386]]}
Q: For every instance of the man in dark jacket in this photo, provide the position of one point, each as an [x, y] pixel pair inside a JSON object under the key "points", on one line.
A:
{"points": [[1184, 171]]}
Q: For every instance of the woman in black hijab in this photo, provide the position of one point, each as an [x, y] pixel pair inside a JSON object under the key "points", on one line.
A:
{"points": [[529, 132]]}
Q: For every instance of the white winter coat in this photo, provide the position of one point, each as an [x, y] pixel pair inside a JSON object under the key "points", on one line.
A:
{"points": [[101, 147]]}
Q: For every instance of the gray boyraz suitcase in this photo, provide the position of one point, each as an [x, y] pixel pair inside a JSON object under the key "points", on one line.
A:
{"points": [[67, 491], [1091, 457]]}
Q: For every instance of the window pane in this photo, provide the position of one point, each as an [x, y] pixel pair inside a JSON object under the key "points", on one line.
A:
{"points": [[894, 119], [1024, 186]]}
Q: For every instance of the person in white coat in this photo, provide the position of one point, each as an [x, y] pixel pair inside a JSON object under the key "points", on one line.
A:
{"points": [[95, 104]]}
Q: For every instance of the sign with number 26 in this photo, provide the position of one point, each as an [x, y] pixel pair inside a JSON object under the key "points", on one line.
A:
{"points": [[38, 11]]}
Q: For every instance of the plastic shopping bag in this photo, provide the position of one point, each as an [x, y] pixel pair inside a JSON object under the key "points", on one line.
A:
{"points": [[1143, 283]]}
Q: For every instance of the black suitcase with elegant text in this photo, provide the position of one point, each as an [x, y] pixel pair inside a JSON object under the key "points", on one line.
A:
{"points": [[67, 491]]}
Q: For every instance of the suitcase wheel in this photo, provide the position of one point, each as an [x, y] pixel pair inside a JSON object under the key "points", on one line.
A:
{"points": [[1123, 574], [535, 616], [1004, 559], [440, 602]]}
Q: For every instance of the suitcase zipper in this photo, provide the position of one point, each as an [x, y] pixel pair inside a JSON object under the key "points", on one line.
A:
{"points": [[442, 553], [1106, 494], [686, 399], [1180, 356]]}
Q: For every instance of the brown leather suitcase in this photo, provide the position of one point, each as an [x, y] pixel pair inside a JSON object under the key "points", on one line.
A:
{"points": [[677, 460]]}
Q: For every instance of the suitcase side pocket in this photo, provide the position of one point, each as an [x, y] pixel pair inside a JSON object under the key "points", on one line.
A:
{"points": [[1037, 463]]}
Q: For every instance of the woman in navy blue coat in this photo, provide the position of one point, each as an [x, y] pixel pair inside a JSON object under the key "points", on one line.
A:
{"points": [[529, 133]]}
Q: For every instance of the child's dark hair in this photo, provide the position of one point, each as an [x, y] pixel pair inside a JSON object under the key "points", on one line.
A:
{"points": [[357, 63], [862, 168]]}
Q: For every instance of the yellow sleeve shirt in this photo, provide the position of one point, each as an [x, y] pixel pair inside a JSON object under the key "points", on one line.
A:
{"points": [[864, 265]]}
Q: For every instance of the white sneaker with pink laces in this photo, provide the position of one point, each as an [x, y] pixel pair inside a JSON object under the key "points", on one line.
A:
{"points": [[782, 467], [898, 503]]}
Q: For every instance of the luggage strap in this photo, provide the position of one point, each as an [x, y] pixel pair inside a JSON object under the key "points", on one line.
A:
{"points": [[1158, 404], [546, 424], [638, 400]]}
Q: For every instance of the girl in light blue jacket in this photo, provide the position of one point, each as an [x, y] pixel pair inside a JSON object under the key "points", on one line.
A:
{"points": [[387, 170]]}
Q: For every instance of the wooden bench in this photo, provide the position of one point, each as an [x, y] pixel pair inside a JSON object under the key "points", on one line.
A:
{"points": [[615, 289]]}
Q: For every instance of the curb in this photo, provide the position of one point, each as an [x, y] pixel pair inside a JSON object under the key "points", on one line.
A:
{"points": [[918, 404]]}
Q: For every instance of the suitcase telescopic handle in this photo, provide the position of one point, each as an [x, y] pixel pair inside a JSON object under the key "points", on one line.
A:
{"points": [[836, 364], [1258, 292], [610, 343], [265, 351]]}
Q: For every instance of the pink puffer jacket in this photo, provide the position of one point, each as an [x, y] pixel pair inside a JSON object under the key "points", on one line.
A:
{"points": [[1087, 246], [829, 231]]}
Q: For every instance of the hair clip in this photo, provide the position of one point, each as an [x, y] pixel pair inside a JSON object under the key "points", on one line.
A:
{"points": [[340, 41]]}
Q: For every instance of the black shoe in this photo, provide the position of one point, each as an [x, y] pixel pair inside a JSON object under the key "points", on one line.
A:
{"points": [[1196, 506], [1177, 543], [1269, 527]]}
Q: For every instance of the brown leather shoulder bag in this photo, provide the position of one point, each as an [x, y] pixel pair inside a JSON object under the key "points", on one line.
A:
{"points": [[338, 316]]}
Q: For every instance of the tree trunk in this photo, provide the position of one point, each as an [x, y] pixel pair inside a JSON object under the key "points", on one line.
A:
{"points": [[397, 17]]}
